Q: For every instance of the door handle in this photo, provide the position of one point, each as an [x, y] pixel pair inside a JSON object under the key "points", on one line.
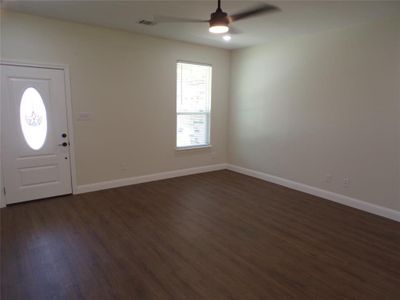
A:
{"points": [[65, 144]]}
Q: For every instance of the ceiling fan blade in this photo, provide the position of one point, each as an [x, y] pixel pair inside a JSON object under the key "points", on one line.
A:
{"points": [[262, 9], [168, 19], [234, 30]]}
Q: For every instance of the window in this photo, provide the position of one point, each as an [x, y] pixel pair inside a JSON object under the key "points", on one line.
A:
{"points": [[33, 118], [193, 105]]}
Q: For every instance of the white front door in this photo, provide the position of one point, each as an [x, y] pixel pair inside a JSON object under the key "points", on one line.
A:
{"points": [[35, 156]]}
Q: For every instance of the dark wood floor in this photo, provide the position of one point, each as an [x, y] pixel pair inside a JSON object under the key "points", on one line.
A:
{"points": [[218, 235]]}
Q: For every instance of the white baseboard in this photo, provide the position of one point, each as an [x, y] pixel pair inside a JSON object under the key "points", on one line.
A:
{"points": [[339, 198], [147, 178]]}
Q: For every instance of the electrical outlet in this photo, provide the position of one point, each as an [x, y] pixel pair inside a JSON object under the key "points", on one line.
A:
{"points": [[346, 182], [328, 178]]}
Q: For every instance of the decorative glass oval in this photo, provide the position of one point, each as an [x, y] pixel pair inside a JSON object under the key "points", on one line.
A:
{"points": [[33, 118]]}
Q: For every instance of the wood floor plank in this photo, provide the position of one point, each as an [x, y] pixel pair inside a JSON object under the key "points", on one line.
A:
{"points": [[217, 235]]}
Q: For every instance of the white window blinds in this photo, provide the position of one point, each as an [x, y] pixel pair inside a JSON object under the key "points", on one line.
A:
{"points": [[193, 104]]}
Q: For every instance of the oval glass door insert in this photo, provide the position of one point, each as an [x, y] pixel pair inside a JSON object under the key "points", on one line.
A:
{"points": [[33, 118]]}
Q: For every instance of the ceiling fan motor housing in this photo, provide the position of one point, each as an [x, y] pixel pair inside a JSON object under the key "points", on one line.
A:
{"points": [[219, 18]]}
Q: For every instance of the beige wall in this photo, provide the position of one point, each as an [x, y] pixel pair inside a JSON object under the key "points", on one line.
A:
{"points": [[299, 109], [322, 104], [127, 82]]}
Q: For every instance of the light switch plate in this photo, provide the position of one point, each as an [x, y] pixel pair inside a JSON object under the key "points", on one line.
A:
{"points": [[84, 116]]}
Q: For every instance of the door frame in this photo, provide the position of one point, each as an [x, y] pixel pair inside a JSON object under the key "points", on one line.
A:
{"points": [[67, 82]]}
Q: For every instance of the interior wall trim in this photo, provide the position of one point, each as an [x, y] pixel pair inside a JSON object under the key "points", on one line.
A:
{"points": [[339, 198], [147, 178]]}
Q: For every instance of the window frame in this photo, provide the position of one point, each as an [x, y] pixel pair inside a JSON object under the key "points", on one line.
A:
{"points": [[207, 114]]}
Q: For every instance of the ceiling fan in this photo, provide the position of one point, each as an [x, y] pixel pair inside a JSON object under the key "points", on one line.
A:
{"points": [[220, 21]]}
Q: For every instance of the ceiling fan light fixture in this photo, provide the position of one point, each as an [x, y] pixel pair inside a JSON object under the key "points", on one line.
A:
{"points": [[219, 21], [218, 29]]}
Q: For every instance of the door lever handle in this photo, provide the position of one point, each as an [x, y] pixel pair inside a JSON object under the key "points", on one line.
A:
{"points": [[65, 144]]}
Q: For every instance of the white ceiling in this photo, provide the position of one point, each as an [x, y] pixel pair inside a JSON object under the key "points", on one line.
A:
{"points": [[296, 17]]}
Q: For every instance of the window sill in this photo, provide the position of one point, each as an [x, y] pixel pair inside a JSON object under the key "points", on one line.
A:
{"points": [[193, 147]]}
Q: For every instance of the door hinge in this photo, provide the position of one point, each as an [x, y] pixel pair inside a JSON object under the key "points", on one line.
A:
{"points": [[4, 190]]}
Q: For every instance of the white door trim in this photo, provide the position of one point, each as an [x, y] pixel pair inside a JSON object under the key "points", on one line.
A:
{"points": [[65, 68]]}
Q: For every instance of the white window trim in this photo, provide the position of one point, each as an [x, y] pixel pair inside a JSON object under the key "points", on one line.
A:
{"points": [[208, 113]]}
